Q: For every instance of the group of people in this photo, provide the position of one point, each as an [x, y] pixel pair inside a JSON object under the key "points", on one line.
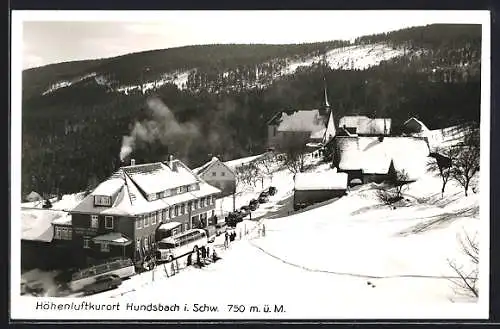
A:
{"points": [[229, 237], [203, 256]]}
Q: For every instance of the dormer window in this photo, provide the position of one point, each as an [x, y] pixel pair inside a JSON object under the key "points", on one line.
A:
{"points": [[152, 197], [102, 200]]}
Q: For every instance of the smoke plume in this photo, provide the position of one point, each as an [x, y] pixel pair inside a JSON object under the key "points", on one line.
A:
{"points": [[162, 127]]}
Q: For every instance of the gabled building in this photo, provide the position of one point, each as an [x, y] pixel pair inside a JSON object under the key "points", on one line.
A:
{"points": [[217, 174], [360, 125], [371, 159], [138, 205], [311, 188], [306, 127]]}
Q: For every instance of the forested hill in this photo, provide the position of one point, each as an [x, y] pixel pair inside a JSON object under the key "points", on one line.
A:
{"points": [[76, 114]]}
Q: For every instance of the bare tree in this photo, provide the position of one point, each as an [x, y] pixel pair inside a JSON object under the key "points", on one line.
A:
{"points": [[441, 166], [268, 163], [396, 185], [465, 161], [467, 280], [294, 150], [248, 174]]}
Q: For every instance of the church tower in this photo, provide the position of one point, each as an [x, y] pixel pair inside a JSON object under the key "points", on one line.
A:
{"points": [[330, 124]]}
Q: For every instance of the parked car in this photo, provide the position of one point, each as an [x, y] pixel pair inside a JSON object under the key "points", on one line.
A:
{"points": [[245, 211], [263, 199], [264, 194], [272, 190], [103, 283], [253, 205], [220, 228]]}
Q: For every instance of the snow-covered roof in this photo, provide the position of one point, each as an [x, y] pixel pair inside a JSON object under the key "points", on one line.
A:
{"points": [[63, 220], [327, 180], [200, 170], [305, 120], [168, 226], [109, 187], [203, 169], [373, 155], [112, 238], [34, 196], [158, 177], [232, 164], [36, 224], [139, 181], [366, 125]]}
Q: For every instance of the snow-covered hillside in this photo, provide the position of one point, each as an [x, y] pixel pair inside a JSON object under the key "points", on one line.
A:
{"points": [[67, 83], [356, 57]]}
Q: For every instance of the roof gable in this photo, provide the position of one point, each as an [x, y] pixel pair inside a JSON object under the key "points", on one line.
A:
{"points": [[373, 155]]}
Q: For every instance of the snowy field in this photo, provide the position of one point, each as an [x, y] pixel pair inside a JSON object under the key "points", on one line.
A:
{"points": [[337, 253], [347, 249]]}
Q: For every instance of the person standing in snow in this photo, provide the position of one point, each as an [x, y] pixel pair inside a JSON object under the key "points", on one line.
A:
{"points": [[208, 252], [226, 240], [203, 252], [263, 230]]}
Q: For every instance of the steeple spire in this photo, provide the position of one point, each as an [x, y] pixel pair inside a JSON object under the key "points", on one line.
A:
{"points": [[325, 101]]}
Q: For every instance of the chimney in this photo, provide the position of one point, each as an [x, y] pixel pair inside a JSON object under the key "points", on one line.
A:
{"points": [[171, 163], [132, 162]]}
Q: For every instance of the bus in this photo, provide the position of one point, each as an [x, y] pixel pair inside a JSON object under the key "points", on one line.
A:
{"points": [[181, 244], [120, 266]]}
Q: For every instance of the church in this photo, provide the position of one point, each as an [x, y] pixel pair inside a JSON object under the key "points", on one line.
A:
{"points": [[308, 128]]}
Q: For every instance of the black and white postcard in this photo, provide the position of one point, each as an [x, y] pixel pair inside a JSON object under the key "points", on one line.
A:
{"points": [[230, 165]]}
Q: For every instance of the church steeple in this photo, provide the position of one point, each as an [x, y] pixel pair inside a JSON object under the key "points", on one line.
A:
{"points": [[325, 104]]}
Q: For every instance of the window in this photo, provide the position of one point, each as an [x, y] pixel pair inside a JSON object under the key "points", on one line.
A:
{"points": [[179, 190], [138, 244], [146, 220], [164, 215], [175, 231], [214, 173], [86, 243], [186, 227], [139, 222], [62, 233], [170, 212], [105, 247], [223, 174], [159, 195], [146, 243], [94, 221], [195, 204], [102, 200], [176, 210], [191, 205], [202, 202], [183, 208], [153, 218], [108, 221]]}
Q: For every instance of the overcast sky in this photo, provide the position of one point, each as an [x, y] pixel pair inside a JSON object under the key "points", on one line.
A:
{"points": [[53, 37]]}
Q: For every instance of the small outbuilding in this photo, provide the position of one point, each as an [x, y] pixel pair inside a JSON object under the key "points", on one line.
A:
{"points": [[311, 188]]}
